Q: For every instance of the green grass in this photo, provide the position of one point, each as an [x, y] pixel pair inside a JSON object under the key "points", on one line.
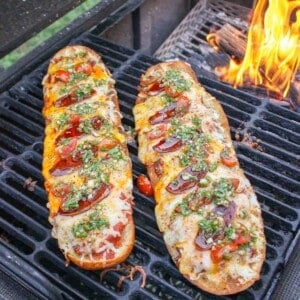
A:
{"points": [[47, 33]]}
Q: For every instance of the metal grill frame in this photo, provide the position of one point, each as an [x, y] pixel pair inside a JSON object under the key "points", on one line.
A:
{"points": [[26, 247]]}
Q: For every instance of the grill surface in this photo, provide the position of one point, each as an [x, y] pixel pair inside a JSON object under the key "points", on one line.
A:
{"points": [[26, 246]]}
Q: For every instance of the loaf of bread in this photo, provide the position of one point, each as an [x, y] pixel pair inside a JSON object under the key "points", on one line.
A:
{"points": [[86, 165], [205, 208]]}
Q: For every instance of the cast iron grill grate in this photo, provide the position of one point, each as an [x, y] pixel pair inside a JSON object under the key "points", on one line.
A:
{"points": [[24, 229], [189, 38]]}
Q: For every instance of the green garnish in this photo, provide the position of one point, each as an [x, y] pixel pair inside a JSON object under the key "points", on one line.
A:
{"points": [[75, 77], [254, 239], [223, 190], [184, 132], [213, 167], [197, 122], [62, 120], [200, 164], [87, 156], [210, 226], [63, 91], [184, 159], [183, 208], [195, 200], [87, 145], [64, 142], [84, 108], [85, 126], [83, 91], [116, 153], [174, 79], [230, 233], [94, 221], [244, 247], [95, 170], [245, 214], [85, 151], [204, 182], [195, 143], [72, 203], [219, 192], [167, 99], [99, 82], [81, 54], [106, 128], [75, 195]]}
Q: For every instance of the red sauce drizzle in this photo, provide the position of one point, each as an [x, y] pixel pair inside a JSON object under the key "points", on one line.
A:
{"points": [[70, 163], [74, 131], [71, 132], [101, 193], [72, 98], [170, 144], [65, 166]]}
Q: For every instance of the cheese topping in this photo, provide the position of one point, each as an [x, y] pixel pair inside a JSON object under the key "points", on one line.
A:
{"points": [[86, 166], [205, 206]]}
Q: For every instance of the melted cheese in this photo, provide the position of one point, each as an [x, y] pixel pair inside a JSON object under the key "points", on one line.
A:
{"points": [[180, 231], [112, 208]]}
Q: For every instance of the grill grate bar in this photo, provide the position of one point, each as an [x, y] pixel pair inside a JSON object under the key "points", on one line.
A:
{"points": [[72, 284], [279, 131], [247, 98], [30, 99], [11, 130], [275, 141], [16, 237], [261, 184], [274, 238], [284, 157], [283, 112], [282, 211], [24, 220], [282, 224], [33, 212], [266, 159], [269, 173], [10, 145], [168, 290]]}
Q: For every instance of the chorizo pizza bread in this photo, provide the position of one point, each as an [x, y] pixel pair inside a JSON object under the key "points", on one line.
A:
{"points": [[86, 165], [205, 206]]}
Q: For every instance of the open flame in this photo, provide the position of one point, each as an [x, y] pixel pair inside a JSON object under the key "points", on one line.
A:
{"points": [[272, 55]]}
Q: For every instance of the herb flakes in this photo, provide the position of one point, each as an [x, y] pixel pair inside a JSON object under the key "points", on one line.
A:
{"points": [[175, 80], [94, 221]]}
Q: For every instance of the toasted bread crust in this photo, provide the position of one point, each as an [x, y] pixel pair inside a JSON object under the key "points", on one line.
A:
{"points": [[127, 245], [50, 112], [166, 220]]}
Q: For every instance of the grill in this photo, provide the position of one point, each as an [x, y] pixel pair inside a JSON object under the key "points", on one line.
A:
{"points": [[188, 41], [32, 256]]}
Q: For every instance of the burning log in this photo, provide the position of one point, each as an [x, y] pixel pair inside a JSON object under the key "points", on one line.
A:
{"points": [[233, 41], [230, 40]]}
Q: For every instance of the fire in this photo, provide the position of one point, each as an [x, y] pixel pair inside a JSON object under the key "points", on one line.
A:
{"points": [[272, 55]]}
